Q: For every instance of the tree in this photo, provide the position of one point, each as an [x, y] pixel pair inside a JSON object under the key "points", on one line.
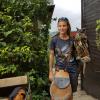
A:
{"points": [[23, 42]]}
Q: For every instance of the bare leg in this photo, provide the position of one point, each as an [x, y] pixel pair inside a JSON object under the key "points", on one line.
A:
{"points": [[52, 98], [71, 98]]}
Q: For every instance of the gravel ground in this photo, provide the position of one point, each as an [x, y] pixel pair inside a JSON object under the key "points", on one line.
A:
{"points": [[82, 95]]}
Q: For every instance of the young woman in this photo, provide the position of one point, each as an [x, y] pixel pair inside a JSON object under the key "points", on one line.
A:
{"points": [[63, 52]]}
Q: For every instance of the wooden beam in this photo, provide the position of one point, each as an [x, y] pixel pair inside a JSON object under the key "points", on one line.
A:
{"points": [[13, 81], [3, 98]]}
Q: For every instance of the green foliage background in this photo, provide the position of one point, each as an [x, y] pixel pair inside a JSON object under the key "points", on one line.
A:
{"points": [[23, 42], [98, 33]]}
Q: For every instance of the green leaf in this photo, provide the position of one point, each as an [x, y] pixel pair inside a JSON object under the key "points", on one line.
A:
{"points": [[8, 33], [2, 43]]}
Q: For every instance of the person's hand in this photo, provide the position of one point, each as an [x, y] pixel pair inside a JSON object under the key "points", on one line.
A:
{"points": [[86, 59], [51, 76]]}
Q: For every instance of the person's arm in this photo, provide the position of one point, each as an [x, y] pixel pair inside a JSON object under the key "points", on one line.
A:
{"points": [[51, 62], [51, 57]]}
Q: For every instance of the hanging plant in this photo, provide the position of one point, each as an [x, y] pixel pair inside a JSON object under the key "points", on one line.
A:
{"points": [[98, 33]]}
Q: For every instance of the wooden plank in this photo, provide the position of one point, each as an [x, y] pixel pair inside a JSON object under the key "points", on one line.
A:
{"points": [[3, 98], [13, 81]]}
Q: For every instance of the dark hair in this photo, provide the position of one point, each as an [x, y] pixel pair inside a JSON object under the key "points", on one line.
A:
{"points": [[67, 21]]}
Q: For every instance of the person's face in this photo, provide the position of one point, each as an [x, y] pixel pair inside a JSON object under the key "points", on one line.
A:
{"points": [[62, 27]]}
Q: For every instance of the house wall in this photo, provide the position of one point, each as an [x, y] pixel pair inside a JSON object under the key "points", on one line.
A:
{"points": [[90, 13]]}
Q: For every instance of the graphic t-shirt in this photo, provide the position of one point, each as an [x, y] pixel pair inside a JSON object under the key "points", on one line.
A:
{"points": [[64, 51]]}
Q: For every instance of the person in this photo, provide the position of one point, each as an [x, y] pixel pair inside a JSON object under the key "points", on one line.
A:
{"points": [[61, 48]]}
